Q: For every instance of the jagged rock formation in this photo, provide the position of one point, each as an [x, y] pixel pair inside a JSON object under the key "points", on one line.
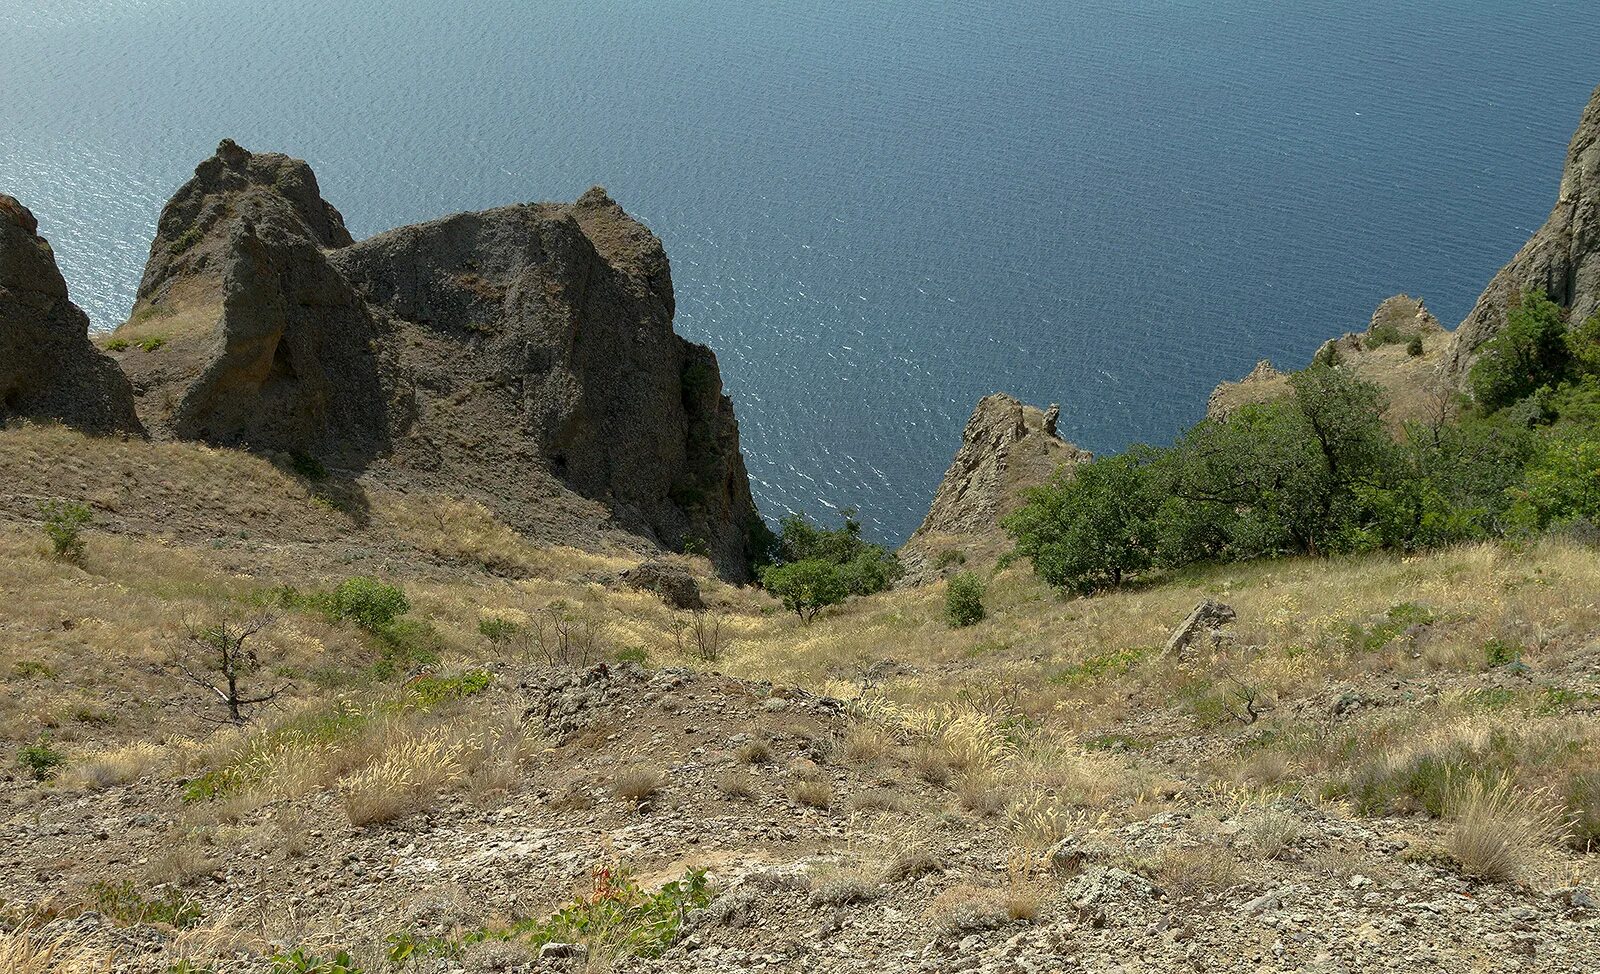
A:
{"points": [[49, 370], [1006, 447], [524, 354], [1381, 354], [1563, 257]]}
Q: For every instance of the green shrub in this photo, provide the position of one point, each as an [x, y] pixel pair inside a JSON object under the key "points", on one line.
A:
{"points": [[298, 961], [616, 915], [117, 345], [124, 902], [433, 690], [1582, 800], [367, 602], [1414, 347], [498, 631], [1501, 652], [64, 522], [184, 241], [806, 587], [963, 600], [152, 343], [953, 556], [1529, 352], [41, 760]]}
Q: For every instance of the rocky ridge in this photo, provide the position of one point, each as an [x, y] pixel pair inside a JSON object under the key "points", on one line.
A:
{"points": [[49, 370], [523, 355], [1382, 353], [1005, 447]]}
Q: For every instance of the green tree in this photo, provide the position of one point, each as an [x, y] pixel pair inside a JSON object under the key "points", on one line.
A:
{"points": [[1529, 352], [806, 587], [963, 600], [1583, 346], [1087, 528], [861, 566], [1561, 485]]}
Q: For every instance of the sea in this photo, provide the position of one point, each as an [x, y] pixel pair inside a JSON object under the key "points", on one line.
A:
{"points": [[877, 211]]}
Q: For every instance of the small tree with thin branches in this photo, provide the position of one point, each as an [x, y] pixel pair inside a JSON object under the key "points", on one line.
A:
{"points": [[223, 647]]}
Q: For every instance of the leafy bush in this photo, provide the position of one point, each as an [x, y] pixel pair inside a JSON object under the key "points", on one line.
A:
{"points": [[616, 916], [806, 587], [1414, 347], [1529, 352], [367, 602], [298, 961], [117, 345], [963, 600], [64, 522], [433, 690], [41, 760], [812, 567]]}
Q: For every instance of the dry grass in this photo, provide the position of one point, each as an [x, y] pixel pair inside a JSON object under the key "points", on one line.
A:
{"points": [[866, 742], [984, 793], [115, 767], [738, 785], [757, 751], [407, 777], [1185, 871], [1497, 829], [813, 792], [966, 907], [26, 951], [1268, 832], [638, 784], [848, 881]]}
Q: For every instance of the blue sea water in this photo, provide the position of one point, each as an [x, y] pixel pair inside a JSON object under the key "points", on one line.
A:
{"points": [[877, 210]]}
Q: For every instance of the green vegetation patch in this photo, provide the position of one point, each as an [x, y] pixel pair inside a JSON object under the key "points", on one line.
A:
{"points": [[617, 912], [123, 901]]}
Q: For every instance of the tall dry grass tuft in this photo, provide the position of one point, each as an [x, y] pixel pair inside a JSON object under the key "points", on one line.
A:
{"points": [[114, 768], [406, 778], [1497, 829], [26, 951]]}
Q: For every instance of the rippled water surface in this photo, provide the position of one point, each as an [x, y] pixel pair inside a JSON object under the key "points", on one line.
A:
{"points": [[877, 211]]}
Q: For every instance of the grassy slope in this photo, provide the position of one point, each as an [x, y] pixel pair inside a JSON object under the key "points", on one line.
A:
{"points": [[1373, 675]]}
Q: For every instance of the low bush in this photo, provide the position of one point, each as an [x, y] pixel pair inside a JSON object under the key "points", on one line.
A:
{"points": [[64, 522], [963, 600], [42, 761], [124, 902]]}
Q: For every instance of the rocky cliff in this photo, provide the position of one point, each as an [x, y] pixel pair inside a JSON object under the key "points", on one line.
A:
{"points": [[1563, 257], [49, 370], [524, 355], [1007, 446]]}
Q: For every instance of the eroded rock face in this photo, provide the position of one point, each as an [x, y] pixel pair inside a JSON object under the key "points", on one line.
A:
{"points": [[1007, 446], [1562, 258], [262, 344], [49, 370], [524, 354]]}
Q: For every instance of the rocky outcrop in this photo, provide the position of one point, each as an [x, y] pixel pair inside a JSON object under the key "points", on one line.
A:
{"points": [[1562, 258], [243, 333], [49, 370], [1007, 446], [523, 354], [1386, 353]]}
